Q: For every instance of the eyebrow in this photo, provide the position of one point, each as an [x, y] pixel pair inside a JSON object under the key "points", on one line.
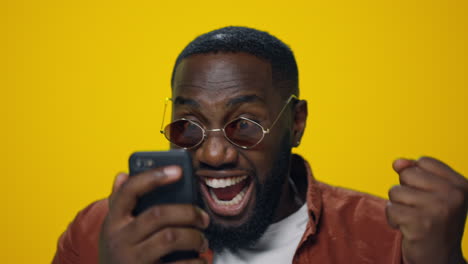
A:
{"points": [[244, 99], [185, 101], [179, 100]]}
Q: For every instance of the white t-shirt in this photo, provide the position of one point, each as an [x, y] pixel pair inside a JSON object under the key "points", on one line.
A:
{"points": [[277, 245]]}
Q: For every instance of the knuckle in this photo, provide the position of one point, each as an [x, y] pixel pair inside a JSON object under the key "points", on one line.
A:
{"points": [[155, 212], [165, 242], [170, 234]]}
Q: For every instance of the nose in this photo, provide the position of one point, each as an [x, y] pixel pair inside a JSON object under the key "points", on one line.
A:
{"points": [[216, 152]]}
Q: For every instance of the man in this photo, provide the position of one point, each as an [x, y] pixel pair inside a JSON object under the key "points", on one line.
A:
{"points": [[236, 110]]}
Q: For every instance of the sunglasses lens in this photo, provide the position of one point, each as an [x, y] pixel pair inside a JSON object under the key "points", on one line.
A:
{"points": [[183, 133], [243, 132]]}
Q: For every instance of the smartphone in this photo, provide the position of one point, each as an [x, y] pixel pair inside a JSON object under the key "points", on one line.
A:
{"points": [[181, 192]]}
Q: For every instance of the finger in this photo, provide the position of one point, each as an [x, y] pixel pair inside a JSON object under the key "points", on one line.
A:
{"points": [[118, 181], [401, 164], [398, 214], [410, 196], [158, 217], [420, 179], [128, 194], [439, 168], [170, 240]]}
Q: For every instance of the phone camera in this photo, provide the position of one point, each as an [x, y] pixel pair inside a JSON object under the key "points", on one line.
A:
{"points": [[139, 163], [149, 163]]}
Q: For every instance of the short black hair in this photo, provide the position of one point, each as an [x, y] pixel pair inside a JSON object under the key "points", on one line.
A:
{"points": [[252, 41]]}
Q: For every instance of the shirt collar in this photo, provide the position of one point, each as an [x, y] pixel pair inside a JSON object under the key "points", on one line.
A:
{"points": [[313, 198]]}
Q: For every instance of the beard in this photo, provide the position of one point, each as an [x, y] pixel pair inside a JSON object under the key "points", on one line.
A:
{"points": [[267, 198]]}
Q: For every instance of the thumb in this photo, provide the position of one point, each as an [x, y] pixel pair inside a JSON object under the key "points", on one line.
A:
{"points": [[400, 164]]}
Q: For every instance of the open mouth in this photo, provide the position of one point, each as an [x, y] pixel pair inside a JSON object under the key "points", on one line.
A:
{"points": [[227, 196]]}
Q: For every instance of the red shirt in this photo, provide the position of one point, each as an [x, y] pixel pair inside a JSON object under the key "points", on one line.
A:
{"points": [[344, 226]]}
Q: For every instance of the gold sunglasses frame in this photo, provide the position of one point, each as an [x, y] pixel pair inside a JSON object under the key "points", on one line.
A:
{"points": [[265, 131]]}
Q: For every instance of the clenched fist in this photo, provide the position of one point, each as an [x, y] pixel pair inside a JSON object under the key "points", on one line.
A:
{"points": [[429, 207]]}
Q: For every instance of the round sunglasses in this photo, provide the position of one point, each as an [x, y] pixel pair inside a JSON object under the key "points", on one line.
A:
{"points": [[242, 132]]}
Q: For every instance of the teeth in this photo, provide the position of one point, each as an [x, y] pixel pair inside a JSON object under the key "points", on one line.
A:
{"points": [[237, 199], [224, 182]]}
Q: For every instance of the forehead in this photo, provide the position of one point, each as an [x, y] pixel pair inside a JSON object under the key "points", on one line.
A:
{"points": [[220, 76]]}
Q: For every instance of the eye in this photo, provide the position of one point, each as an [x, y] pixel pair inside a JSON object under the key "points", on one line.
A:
{"points": [[244, 124], [190, 126]]}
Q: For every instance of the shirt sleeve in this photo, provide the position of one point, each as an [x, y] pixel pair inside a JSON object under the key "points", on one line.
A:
{"points": [[66, 252], [79, 242]]}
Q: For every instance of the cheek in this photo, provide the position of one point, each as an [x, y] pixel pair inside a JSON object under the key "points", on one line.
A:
{"points": [[263, 157], [276, 146]]}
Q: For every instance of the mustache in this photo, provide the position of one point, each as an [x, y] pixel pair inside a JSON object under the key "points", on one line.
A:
{"points": [[223, 167]]}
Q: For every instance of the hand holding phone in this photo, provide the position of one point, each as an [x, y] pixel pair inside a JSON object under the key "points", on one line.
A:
{"points": [[147, 236]]}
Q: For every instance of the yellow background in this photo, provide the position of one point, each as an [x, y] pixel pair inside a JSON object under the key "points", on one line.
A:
{"points": [[83, 82]]}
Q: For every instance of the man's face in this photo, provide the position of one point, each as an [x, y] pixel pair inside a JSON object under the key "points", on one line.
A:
{"points": [[213, 89]]}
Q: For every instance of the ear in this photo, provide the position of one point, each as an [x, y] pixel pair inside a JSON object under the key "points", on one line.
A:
{"points": [[300, 120]]}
